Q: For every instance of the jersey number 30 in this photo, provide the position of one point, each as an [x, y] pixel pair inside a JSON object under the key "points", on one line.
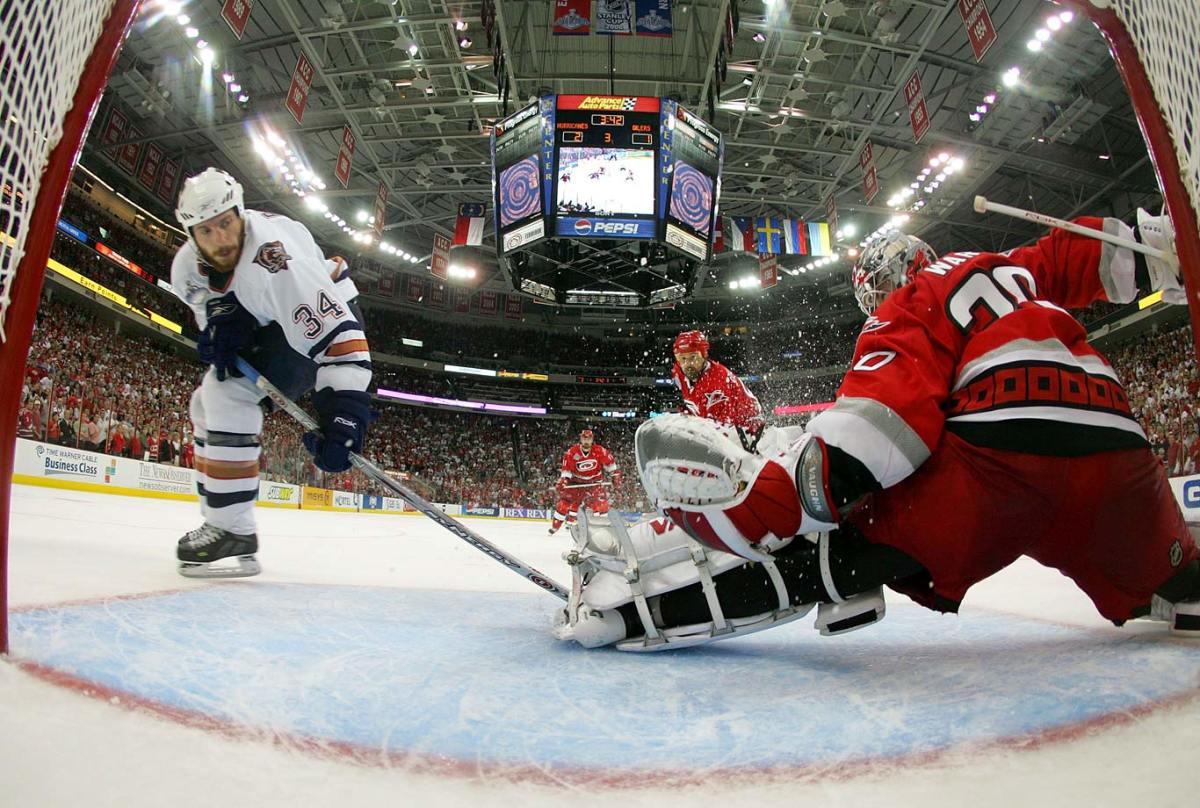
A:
{"points": [[987, 295]]}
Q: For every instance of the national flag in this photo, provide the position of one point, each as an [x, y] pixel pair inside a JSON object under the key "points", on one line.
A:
{"points": [[769, 235], [795, 237], [740, 234], [468, 228], [719, 243], [819, 242]]}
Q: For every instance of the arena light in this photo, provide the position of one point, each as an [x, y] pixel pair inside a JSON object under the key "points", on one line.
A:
{"points": [[412, 343], [469, 370]]}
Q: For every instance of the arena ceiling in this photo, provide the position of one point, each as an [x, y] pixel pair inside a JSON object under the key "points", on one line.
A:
{"points": [[806, 86]]}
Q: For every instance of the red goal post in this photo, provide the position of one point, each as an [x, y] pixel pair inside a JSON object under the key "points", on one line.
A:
{"points": [[55, 59], [1156, 45]]}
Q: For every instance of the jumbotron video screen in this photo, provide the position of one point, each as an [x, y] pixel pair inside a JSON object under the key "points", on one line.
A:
{"points": [[605, 170]]}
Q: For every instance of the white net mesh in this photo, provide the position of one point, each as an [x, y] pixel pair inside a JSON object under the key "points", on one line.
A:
{"points": [[43, 50], [1166, 35]]}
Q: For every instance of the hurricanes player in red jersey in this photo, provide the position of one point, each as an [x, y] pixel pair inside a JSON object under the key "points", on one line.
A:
{"points": [[710, 389], [581, 482], [976, 425]]}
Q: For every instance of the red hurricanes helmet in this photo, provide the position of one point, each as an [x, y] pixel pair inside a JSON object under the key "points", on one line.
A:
{"points": [[690, 341], [587, 433]]}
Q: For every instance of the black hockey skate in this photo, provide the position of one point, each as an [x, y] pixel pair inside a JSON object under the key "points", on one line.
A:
{"points": [[213, 552]]}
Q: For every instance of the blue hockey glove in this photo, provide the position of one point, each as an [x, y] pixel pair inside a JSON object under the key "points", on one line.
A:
{"points": [[343, 416], [230, 329]]}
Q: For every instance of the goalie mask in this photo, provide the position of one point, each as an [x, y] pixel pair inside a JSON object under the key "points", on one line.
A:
{"points": [[886, 265]]}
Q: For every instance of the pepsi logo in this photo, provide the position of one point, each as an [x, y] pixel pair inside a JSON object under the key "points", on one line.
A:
{"points": [[583, 227]]}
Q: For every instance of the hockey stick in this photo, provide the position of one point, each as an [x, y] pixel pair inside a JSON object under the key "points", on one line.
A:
{"points": [[412, 498], [982, 205], [589, 485]]}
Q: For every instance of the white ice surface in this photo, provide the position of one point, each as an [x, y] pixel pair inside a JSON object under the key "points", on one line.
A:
{"points": [[60, 748]]}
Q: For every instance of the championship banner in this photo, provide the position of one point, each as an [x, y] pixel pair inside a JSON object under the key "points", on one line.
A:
{"points": [[614, 17], [437, 295], [150, 166], [979, 26], [462, 301], [488, 304], [415, 288], [439, 264], [387, 284], [654, 18], [302, 79], [513, 307], [381, 195], [114, 130], [127, 157], [236, 14], [831, 212], [341, 169], [918, 113], [572, 17], [167, 178], [866, 162], [768, 271], [870, 184], [866, 157]]}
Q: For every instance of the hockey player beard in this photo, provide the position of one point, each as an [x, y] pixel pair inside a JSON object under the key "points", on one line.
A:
{"points": [[692, 365], [225, 258]]}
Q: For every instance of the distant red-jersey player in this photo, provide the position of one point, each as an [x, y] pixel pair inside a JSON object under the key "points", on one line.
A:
{"points": [[581, 482], [710, 389]]}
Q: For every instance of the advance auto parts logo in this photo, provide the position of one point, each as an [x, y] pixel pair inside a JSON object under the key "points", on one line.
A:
{"points": [[607, 102], [58, 462]]}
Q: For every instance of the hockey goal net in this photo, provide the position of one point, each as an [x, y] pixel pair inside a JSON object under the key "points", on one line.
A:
{"points": [[54, 61]]}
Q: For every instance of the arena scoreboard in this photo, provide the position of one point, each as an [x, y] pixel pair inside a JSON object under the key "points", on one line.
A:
{"points": [[598, 168]]}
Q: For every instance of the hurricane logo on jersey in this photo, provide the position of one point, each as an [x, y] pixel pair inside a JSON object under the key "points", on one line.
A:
{"points": [[714, 397], [585, 466], [272, 257]]}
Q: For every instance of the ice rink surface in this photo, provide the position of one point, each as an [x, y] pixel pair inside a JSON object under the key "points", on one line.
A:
{"points": [[378, 660]]}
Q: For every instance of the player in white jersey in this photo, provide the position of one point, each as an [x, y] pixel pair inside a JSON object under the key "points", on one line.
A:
{"points": [[261, 288]]}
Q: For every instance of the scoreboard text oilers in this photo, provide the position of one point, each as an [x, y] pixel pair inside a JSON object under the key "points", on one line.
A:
{"points": [[600, 166]]}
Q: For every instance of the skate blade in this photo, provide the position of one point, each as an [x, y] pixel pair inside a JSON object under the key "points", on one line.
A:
{"points": [[245, 567]]}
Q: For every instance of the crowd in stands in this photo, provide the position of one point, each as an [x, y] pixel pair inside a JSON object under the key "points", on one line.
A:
{"points": [[1160, 376], [93, 385]]}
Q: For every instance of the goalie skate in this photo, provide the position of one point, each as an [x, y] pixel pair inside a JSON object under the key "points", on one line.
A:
{"points": [[213, 552]]}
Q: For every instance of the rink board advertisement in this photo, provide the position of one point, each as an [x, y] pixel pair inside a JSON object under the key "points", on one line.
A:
{"points": [[1187, 491], [54, 466]]}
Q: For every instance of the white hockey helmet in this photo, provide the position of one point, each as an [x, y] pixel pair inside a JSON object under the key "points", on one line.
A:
{"points": [[887, 264], [207, 194]]}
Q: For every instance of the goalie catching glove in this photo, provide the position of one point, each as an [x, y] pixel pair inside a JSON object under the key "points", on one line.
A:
{"points": [[700, 475]]}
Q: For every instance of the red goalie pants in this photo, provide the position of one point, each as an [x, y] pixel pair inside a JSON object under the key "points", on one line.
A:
{"points": [[1108, 521]]}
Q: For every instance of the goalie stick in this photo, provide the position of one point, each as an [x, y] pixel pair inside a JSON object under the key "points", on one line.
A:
{"points": [[985, 205], [411, 497]]}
